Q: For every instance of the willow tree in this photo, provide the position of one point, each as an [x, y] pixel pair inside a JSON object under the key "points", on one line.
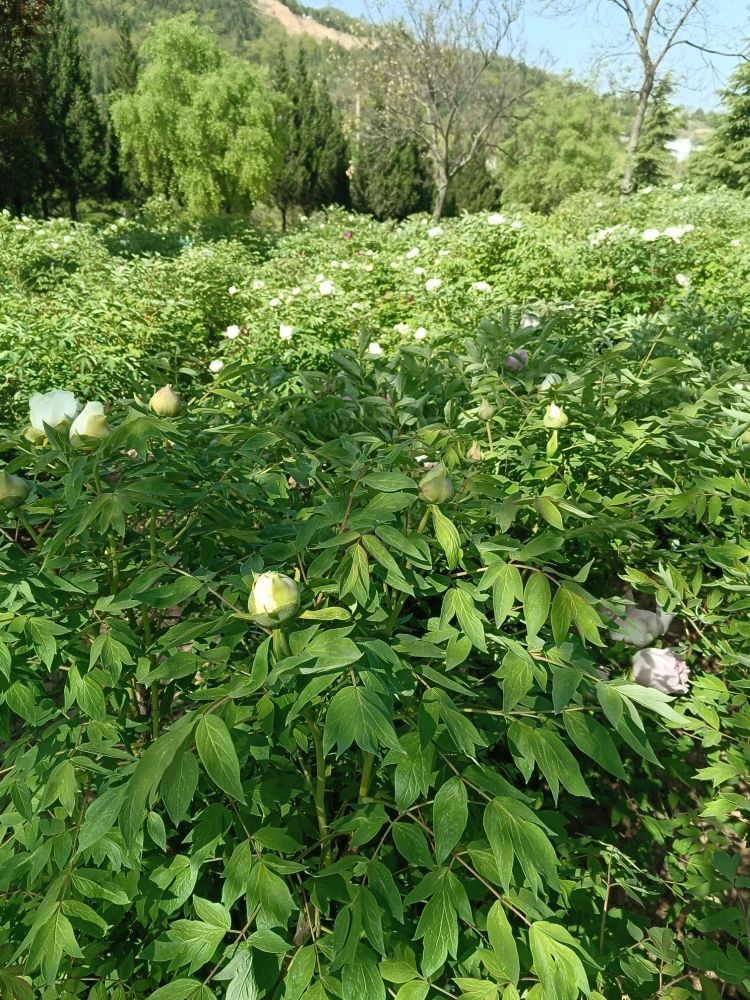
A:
{"points": [[200, 125], [443, 78]]}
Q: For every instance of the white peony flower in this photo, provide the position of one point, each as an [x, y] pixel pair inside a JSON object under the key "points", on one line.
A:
{"points": [[640, 627], [333, 263], [216, 366], [232, 289], [675, 233], [647, 190], [495, 219], [319, 278], [286, 332], [369, 267], [296, 290], [736, 243], [90, 423], [435, 231], [326, 288], [662, 670], [649, 235], [420, 333], [232, 332], [677, 187], [530, 321], [375, 349], [682, 280], [555, 417], [443, 253], [402, 328], [481, 286], [52, 408], [411, 254], [345, 265], [432, 284], [419, 271], [258, 284], [516, 224], [274, 302]]}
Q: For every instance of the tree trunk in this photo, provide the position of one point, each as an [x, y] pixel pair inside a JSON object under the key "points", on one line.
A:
{"points": [[73, 203], [441, 193], [636, 127]]}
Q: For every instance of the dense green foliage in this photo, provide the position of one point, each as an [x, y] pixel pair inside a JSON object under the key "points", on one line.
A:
{"points": [[654, 164], [436, 777], [568, 142], [201, 126], [726, 158], [313, 161], [87, 307]]}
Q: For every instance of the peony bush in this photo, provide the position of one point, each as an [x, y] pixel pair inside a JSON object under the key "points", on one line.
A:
{"points": [[322, 682]]}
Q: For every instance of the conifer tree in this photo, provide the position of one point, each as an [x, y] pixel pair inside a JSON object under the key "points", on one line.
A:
{"points": [[21, 22], [313, 166], [127, 64], [73, 160], [475, 189], [654, 163], [390, 181], [726, 158]]}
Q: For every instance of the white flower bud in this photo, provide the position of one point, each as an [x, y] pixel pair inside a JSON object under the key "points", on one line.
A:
{"points": [[555, 417], [273, 599], [13, 490], [486, 410], [435, 486], [165, 402]]}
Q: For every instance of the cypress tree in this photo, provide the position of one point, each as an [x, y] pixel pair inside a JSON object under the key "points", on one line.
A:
{"points": [[390, 180], [726, 158], [127, 65], [22, 22], [475, 189], [653, 162], [314, 161], [70, 124]]}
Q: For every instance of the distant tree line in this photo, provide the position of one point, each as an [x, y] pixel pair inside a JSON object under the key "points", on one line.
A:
{"points": [[186, 118]]}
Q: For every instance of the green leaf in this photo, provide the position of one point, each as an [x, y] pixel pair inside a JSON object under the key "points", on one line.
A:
{"points": [[536, 602], [417, 989], [181, 989], [593, 739], [515, 832], [438, 927], [218, 755], [179, 785], [389, 482], [501, 939], [299, 973], [565, 683], [358, 715], [549, 512], [148, 772], [411, 842], [449, 816], [559, 968], [447, 536], [361, 979], [100, 817], [507, 589]]}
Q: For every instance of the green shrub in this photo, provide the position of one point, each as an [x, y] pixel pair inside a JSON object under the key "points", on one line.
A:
{"points": [[438, 778]]}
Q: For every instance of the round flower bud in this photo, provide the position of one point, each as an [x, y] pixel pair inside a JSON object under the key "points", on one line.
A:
{"points": [[474, 454], [90, 425], [165, 402], [555, 417], [273, 599], [435, 486], [486, 410], [13, 491], [518, 360], [744, 441]]}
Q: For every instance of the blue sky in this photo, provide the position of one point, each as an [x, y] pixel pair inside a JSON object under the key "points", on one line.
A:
{"points": [[579, 43]]}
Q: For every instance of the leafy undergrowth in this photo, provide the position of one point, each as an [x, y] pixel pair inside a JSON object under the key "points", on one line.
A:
{"points": [[98, 309], [436, 776]]}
